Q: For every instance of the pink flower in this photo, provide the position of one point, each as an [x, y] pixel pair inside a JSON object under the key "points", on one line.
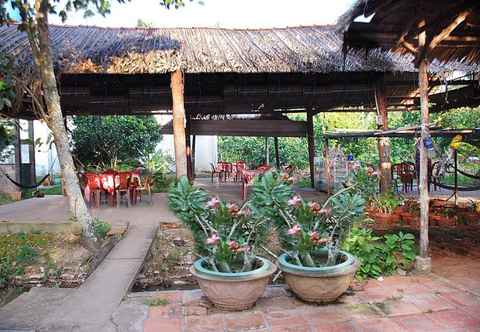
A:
{"points": [[244, 248], [246, 212], [213, 239], [325, 211], [314, 207], [213, 203], [233, 245], [294, 230], [315, 238], [233, 208], [295, 201]]}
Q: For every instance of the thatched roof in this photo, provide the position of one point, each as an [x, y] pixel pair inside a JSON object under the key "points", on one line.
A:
{"points": [[395, 26], [200, 50]]}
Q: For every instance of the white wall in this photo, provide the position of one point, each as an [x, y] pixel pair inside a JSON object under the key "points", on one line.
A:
{"points": [[46, 160], [206, 151]]}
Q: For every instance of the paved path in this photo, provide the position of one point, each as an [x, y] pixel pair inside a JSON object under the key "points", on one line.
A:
{"points": [[422, 303], [54, 209]]}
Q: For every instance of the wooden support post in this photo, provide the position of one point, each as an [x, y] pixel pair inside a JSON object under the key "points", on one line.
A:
{"points": [[178, 110], [18, 152], [326, 166], [31, 152], [423, 263], [188, 148], [384, 150], [277, 156], [194, 147], [311, 147], [267, 152]]}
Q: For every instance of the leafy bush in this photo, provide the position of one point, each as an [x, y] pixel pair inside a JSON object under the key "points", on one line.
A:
{"points": [[306, 229], [380, 255], [157, 166], [227, 235], [103, 139], [386, 202], [101, 228]]}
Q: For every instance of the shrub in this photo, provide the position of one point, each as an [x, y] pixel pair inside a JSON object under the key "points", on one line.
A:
{"points": [[101, 228], [387, 202], [380, 255]]}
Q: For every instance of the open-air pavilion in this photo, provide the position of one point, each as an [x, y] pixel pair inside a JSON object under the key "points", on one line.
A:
{"points": [[210, 78]]}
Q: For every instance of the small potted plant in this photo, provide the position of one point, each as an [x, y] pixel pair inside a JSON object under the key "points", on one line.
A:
{"points": [[226, 237], [315, 268], [384, 209]]}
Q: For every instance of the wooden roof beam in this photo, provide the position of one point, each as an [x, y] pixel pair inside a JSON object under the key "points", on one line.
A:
{"points": [[445, 32]]}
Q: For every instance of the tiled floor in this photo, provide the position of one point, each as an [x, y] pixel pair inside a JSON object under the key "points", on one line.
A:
{"points": [[412, 303]]}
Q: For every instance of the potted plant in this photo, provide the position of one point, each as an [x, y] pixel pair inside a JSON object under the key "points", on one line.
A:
{"points": [[226, 237], [384, 209], [315, 268]]}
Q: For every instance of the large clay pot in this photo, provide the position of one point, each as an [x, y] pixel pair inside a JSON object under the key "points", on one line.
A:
{"points": [[319, 284], [233, 291]]}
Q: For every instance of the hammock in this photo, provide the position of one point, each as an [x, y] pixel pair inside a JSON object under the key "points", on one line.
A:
{"points": [[34, 186], [459, 188]]}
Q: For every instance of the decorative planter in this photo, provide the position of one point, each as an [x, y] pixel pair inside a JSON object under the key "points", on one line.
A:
{"points": [[410, 219], [319, 284], [233, 291], [384, 220]]}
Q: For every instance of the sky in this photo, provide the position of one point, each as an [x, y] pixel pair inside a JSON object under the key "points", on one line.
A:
{"points": [[218, 13]]}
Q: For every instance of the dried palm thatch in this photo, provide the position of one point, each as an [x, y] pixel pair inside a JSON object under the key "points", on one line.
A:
{"points": [[396, 23], [317, 49]]}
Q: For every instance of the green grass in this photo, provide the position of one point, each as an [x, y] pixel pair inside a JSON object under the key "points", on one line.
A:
{"points": [[156, 302], [5, 199], [54, 190]]}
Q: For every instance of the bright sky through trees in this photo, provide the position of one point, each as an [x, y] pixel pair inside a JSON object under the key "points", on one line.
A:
{"points": [[222, 13]]}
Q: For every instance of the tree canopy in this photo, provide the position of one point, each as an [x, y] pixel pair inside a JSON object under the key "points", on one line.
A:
{"points": [[294, 150], [103, 140]]}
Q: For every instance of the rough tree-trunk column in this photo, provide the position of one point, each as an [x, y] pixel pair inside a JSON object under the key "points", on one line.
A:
{"points": [[423, 262], [277, 155], [188, 148], [178, 109], [40, 43], [384, 150], [311, 147]]}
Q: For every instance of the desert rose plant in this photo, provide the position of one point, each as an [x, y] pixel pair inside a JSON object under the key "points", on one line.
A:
{"points": [[306, 229], [226, 234]]}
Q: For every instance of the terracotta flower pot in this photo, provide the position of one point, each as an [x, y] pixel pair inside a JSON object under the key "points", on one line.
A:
{"points": [[233, 291], [319, 284], [383, 220]]}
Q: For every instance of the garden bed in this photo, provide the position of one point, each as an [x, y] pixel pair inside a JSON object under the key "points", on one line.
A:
{"points": [[168, 262], [41, 259]]}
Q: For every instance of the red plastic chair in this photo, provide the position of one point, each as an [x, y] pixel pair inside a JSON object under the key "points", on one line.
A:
{"points": [[92, 188], [122, 186], [107, 179], [239, 167]]}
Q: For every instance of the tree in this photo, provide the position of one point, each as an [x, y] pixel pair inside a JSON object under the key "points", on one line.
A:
{"points": [[102, 139], [34, 21], [7, 96]]}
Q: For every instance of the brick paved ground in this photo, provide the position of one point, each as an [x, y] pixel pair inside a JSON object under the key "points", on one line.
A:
{"points": [[416, 303]]}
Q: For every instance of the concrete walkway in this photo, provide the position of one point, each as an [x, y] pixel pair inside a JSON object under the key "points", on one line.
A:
{"points": [[54, 209], [89, 307]]}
